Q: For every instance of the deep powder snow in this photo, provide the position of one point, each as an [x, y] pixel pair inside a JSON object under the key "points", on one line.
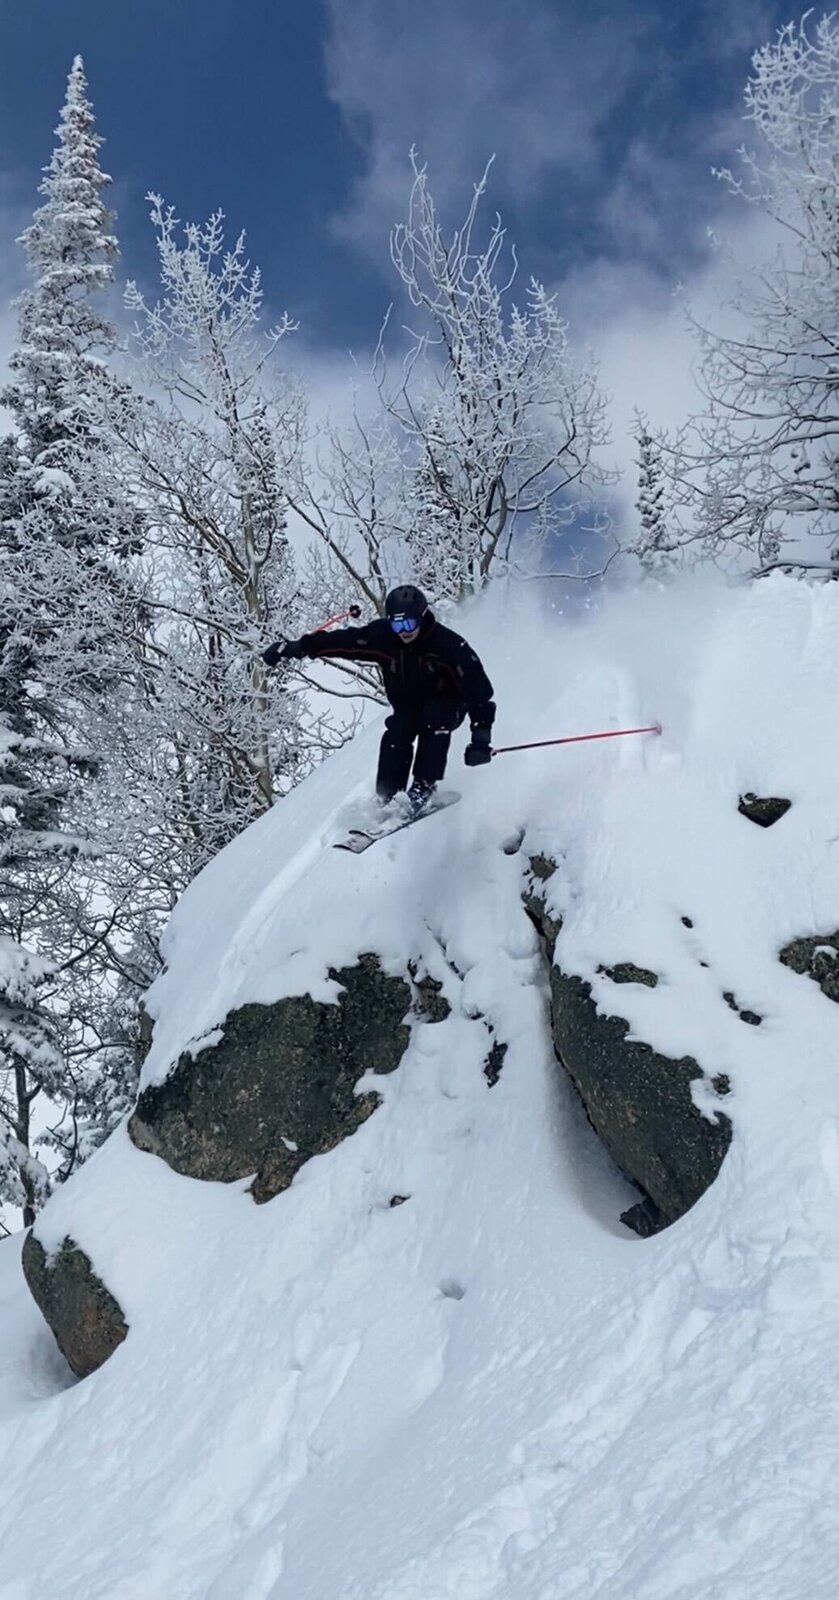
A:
{"points": [[492, 1391]]}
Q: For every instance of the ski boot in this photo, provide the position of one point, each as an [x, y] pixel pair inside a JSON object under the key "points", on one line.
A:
{"points": [[419, 796]]}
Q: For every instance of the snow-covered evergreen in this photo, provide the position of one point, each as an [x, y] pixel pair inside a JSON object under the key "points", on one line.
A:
{"points": [[57, 526], [655, 547], [63, 334], [35, 773]]}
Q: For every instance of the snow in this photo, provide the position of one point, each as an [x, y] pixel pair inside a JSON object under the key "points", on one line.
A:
{"points": [[492, 1391]]}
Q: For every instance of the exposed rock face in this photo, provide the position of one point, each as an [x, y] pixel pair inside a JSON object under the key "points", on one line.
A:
{"points": [[763, 809], [818, 958], [279, 1086], [430, 1003], [644, 1218], [638, 1101], [627, 972], [84, 1316], [542, 870], [277, 1089], [745, 1015]]}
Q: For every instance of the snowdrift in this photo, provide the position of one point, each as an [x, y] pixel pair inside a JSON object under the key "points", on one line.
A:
{"points": [[437, 1367]]}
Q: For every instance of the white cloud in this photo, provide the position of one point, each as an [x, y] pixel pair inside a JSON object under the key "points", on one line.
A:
{"points": [[638, 332], [539, 84], [462, 81]]}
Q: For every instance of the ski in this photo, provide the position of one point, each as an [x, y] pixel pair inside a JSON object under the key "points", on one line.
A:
{"points": [[358, 839]]}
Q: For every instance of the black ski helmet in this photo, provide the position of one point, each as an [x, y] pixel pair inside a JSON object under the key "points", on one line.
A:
{"points": [[406, 601]]}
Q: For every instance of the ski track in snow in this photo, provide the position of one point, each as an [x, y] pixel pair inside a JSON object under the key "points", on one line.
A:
{"points": [[491, 1391]]}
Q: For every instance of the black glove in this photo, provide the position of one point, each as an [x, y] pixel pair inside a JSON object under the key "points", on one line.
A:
{"points": [[479, 751], [288, 650]]}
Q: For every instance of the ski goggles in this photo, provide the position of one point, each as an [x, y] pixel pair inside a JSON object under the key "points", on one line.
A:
{"points": [[404, 624]]}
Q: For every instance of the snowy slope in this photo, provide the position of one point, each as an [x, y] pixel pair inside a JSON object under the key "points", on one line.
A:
{"points": [[491, 1391]]}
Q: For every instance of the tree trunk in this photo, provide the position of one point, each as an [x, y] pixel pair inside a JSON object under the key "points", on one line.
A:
{"points": [[24, 1097]]}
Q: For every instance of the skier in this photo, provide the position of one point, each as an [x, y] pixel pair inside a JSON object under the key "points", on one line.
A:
{"points": [[431, 677]]}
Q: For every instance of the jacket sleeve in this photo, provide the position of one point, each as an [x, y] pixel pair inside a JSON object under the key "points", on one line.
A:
{"points": [[353, 644], [477, 689]]}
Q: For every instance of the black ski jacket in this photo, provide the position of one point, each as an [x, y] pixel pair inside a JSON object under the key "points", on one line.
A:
{"points": [[437, 665]]}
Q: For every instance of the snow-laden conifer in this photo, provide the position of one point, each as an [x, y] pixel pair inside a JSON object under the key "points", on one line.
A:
{"points": [[63, 334], [655, 546], [61, 596], [36, 772]]}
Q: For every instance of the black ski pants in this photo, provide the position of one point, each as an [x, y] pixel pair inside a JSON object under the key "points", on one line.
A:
{"points": [[429, 724]]}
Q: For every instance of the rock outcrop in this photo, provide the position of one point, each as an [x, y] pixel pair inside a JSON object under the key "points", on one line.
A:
{"points": [[817, 957], [86, 1320], [279, 1086], [765, 810], [638, 1101]]}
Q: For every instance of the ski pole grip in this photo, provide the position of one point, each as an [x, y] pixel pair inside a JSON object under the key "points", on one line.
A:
{"points": [[351, 611]]}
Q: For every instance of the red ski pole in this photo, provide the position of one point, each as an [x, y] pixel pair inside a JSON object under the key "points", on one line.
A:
{"points": [[577, 738], [353, 611]]}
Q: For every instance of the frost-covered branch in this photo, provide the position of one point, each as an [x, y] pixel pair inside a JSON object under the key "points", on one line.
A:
{"points": [[759, 466]]}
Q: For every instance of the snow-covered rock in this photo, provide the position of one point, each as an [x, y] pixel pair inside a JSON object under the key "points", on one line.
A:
{"points": [[641, 1103], [818, 957], [84, 1316], [274, 1085]]}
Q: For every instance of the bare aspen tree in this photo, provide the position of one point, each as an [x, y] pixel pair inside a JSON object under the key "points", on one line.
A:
{"points": [[757, 469], [482, 455]]}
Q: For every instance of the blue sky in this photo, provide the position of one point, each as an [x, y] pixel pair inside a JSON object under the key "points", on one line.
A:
{"points": [[297, 118]]}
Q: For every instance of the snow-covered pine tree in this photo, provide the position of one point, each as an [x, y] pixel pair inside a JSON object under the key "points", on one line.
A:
{"points": [[654, 546], [35, 774], [65, 524], [61, 596], [63, 337], [65, 527], [438, 534]]}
